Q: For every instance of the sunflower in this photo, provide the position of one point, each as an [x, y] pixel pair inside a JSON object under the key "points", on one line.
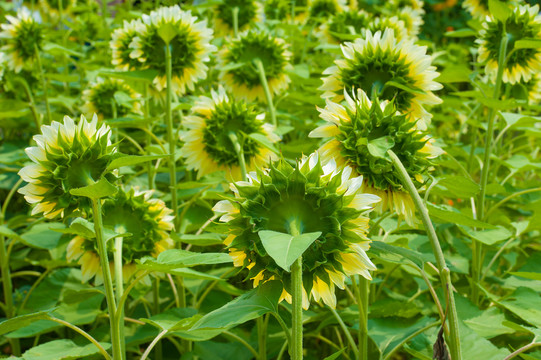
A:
{"points": [[479, 8], [382, 23], [361, 131], [524, 23], [148, 221], [207, 144], [250, 13], [239, 73], [23, 37], [413, 20], [277, 9], [388, 69], [396, 5], [67, 156], [190, 48], [51, 8], [322, 9], [344, 23], [100, 99], [120, 45], [318, 199]]}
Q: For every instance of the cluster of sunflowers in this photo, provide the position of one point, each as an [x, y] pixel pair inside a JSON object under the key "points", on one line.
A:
{"points": [[220, 74]]}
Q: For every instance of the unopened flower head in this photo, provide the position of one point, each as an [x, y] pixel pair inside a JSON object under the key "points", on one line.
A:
{"points": [[249, 13], [375, 64], [346, 23], [67, 156], [244, 80], [522, 63], [148, 221], [190, 47], [360, 134], [208, 146], [314, 198], [100, 99], [23, 38], [120, 45]]}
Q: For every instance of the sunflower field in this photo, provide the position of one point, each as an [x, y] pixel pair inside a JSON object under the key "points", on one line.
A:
{"points": [[270, 179]]}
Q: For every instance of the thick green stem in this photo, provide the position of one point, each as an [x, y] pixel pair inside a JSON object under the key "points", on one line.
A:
{"points": [[8, 292], [239, 149], [170, 139], [263, 78], [156, 293], [43, 83], [262, 323], [107, 280], [119, 290], [454, 338], [32, 104], [477, 246], [362, 302], [235, 11], [296, 289]]}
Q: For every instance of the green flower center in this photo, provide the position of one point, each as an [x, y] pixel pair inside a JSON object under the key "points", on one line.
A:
{"points": [[183, 50], [253, 46], [29, 36], [247, 12], [231, 117], [367, 128], [371, 72]]}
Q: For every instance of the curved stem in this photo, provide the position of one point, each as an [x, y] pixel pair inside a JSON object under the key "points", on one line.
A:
{"points": [[107, 280], [521, 350], [500, 203], [436, 249], [263, 78], [284, 326], [153, 343], [239, 149], [37, 118], [83, 333], [418, 332], [243, 342], [347, 333]]}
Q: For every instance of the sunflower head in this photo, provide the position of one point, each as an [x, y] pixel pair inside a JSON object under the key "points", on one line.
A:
{"points": [[23, 37], [315, 198], [67, 156], [383, 67], [249, 13], [360, 134], [383, 22], [523, 23], [479, 8], [190, 47], [396, 5], [100, 99], [52, 8], [323, 9], [277, 9], [208, 146], [239, 72], [148, 221], [413, 20], [344, 23], [120, 45]]}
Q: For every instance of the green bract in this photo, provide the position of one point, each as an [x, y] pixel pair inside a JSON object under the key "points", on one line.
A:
{"points": [[312, 199]]}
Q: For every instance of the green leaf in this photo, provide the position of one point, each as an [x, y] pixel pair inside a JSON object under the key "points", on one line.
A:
{"points": [[139, 75], [404, 87], [128, 160], [61, 349], [206, 239], [499, 10], [286, 248], [7, 232], [397, 254], [512, 119], [492, 236], [43, 236], [448, 215], [18, 322], [176, 258], [527, 275], [528, 44], [460, 33], [167, 32], [524, 303], [85, 229], [264, 141], [101, 189], [457, 187], [454, 74], [336, 354], [248, 306], [379, 147], [55, 49], [300, 70]]}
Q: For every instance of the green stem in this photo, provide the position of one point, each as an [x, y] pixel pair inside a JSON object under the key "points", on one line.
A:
{"points": [[347, 333], [43, 83], [235, 11], [156, 293], [107, 280], [148, 133], [153, 343], [521, 350], [263, 78], [8, 291], [104, 13], [262, 324], [32, 104], [239, 149], [170, 139], [296, 286], [284, 327], [243, 342], [436, 249], [477, 246], [119, 290], [362, 302]]}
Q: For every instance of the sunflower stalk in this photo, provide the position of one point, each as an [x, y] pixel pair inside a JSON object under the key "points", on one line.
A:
{"points": [[8, 292], [43, 83], [296, 293], [454, 339], [239, 149], [477, 256], [346, 333], [107, 280], [235, 12], [119, 290], [363, 290], [261, 71]]}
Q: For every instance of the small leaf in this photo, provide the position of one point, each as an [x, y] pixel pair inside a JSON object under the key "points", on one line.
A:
{"points": [[499, 10], [264, 141], [446, 214], [460, 33], [18, 322], [129, 160], [528, 275], [101, 189], [206, 239], [379, 147], [492, 236], [62, 349], [528, 44], [43, 236], [335, 355], [176, 258], [458, 187], [286, 248]]}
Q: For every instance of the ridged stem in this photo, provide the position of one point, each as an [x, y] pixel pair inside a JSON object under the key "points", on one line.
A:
{"points": [[296, 289]]}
